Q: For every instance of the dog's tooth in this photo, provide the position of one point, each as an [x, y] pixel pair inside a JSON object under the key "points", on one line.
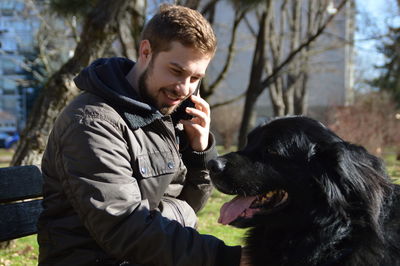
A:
{"points": [[270, 194], [264, 199]]}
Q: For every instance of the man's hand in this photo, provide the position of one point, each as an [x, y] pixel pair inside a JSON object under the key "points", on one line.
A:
{"points": [[198, 128]]}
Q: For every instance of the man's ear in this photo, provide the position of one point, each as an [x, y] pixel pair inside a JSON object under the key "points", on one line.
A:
{"points": [[145, 51]]}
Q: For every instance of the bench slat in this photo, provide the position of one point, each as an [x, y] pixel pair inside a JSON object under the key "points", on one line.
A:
{"points": [[19, 219], [20, 182]]}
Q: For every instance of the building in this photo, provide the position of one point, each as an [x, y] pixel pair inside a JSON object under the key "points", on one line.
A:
{"points": [[18, 25]]}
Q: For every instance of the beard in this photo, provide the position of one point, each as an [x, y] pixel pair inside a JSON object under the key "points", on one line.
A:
{"points": [[150, 99]]}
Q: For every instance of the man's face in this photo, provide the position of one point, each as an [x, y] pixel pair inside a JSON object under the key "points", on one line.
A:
{"points": [[172, 76]]}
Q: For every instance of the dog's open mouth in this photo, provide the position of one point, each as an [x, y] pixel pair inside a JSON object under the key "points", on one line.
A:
{"points": [[246, 207]]}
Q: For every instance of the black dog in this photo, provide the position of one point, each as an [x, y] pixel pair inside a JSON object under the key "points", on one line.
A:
{"points": [[309, 198]]}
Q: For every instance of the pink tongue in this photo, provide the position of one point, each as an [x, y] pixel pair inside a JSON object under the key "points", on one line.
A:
{"points": [[234, 208]]}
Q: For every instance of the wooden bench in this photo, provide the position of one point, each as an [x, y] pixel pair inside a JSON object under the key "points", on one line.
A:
{"points": [[20, 201]]}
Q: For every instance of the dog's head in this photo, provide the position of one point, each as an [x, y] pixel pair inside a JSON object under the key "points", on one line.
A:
{"points": [[296, 167]]}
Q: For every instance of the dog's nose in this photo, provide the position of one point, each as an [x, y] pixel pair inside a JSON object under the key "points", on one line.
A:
{"points": [[216, 165]]}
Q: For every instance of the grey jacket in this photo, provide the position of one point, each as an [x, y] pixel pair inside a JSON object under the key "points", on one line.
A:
{"points": [[118, 187]]}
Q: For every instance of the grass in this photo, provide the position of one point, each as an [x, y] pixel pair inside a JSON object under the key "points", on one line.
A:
{"points": [[5, 157], [393, 166], [208, 221], [24, 251], [21, 252]]}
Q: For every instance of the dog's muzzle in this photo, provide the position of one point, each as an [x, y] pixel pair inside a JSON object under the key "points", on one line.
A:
{"points": [[217, 165]]}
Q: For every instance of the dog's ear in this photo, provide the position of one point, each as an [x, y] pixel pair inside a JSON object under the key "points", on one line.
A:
{"points": [[324, 161], [351, 177]]}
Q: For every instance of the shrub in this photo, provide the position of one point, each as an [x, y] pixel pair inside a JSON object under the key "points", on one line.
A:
{"points": [[372, 122], [225, 122]]}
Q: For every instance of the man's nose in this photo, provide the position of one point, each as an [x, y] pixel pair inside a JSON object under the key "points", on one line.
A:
{"points": [[183, 87]]}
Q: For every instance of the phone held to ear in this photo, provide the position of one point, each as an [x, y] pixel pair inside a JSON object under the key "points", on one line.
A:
{"points": [[180, 112]]}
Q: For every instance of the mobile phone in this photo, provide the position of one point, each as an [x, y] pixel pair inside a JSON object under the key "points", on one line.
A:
{"points": [[180, 112]]}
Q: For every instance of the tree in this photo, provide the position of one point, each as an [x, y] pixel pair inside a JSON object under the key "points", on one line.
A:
{"points": [[389, 80], [282, 41], [208, 9], [100, 28], [56, 38]]}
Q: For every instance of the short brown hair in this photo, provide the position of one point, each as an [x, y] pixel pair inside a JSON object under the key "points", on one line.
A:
{"points": [[179, 23]]}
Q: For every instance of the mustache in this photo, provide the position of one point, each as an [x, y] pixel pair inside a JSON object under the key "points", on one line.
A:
{"points": [[174, 93]]}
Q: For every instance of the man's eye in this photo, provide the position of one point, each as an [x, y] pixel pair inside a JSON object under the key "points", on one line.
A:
{"points": [[194, 79], [176, 71]]}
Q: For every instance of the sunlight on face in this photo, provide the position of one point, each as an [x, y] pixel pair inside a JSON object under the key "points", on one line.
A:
{"points": [[172, 76]]}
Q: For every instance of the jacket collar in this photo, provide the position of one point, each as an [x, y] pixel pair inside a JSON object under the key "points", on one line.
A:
{"points": [[106, 78]]}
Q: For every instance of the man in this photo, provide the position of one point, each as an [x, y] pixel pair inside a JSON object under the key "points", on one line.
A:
{"points": [[122, 178]]}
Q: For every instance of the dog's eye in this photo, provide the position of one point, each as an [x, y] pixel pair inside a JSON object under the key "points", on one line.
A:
{"points": [[272, 152]]}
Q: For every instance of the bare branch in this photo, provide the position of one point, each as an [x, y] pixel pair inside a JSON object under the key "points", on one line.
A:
{"points": [[237, 19], [293, 53], [250, 27], [237, 98]]}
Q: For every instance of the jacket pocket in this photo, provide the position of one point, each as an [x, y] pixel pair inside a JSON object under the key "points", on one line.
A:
{"points": [[157, 163]]}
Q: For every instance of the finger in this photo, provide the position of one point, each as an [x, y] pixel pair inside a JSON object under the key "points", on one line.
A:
{"points": [[201, 104], [192, 125], [199, 114]]}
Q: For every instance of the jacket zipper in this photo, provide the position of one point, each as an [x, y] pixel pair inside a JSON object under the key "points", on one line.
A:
{"points": [[172, 137]]}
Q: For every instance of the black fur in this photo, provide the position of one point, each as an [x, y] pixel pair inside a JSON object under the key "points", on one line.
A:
{"points": [[342, 208]]}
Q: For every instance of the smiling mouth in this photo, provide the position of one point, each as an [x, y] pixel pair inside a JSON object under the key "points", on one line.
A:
{"points": [[173, 98], [247, 207]]}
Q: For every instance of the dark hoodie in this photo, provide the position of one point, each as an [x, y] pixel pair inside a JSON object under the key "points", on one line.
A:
{"points": [[116, 189], [106, 78]]}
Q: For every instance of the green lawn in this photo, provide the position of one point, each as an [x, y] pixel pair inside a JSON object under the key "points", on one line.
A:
{"points": [[393, 166], [208, 221], [22, 252], [5, 157]]}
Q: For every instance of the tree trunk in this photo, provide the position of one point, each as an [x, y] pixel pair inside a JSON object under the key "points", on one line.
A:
{"points": [[193, 4], [99, 30], [254, 89], [279, 64], [275, 94], [131, 28], [246, 120], [207, 89], [300, 102]]}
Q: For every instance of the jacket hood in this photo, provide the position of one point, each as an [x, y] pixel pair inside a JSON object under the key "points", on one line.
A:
{"points": [[106, 78]]}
